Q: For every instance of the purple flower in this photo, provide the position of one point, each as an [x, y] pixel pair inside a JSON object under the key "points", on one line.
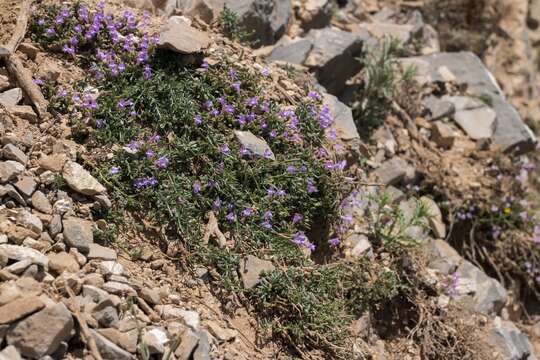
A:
{"points": [[347, 218], [38, 81], [133, 145], [265, 71], [266, 225], [122, 104], [313, 95], [147, 72], [197, 120], [536, 234], [145, 182], [231, 217], [162, 162], [208, 105], [154, 138], [252, 101], [268, 215], [247, 212], [297, 218], [150, 153], [268, 154], [232, 74], [61, 93], [311, 188], [265, 107], [204, 65], [224, 149], [70, 50], [41, 22], [114, 170], [300, 238], [196, 187], [89, 102], [243, 151], [216, 204], [334, 242], [291, 169], [228, 108], [236, 86]]}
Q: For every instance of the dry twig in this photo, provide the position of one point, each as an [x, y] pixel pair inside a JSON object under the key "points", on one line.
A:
{"points": [[212, 229]]}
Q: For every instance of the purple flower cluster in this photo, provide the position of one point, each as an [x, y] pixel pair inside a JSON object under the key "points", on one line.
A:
{"points": [[119, 41], [301, 240], [144, 182]]}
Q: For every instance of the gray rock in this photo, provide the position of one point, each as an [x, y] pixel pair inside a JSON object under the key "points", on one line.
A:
{"points": [[334, 56], [266, 20], [220, 333], [358, 245], [254, 144], [510, 132], [9, 170], [189, 342], [344, 125], [251, 269], [94, 293], [474, 117], [40, 334], [315, 14], [443, 257], [488, 294], [41, 203], [97, 251], [105, 313], [10, 353], [80, 180], [151, 296], [510, 342], [12, 193], [392, 171], [443, 135], [19, 308], [118, 288], [111, 267], [28, 220], [177, 35], [26, 186], [19, 253], [55, 226], [12, 152], [126, 340], [202, 351], [62, 261], [109, 350], [11, 97], [155, 340], [78, 234], [293, 51], [437, 108], [435, 217]]}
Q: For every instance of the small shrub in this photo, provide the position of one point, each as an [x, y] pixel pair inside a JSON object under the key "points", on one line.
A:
{"points": [[230, 26], [382, 80]]}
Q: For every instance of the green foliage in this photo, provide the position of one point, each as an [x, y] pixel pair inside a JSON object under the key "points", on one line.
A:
{"points": [[312, 307], [392, 226], [382, 80], [230, 26]]}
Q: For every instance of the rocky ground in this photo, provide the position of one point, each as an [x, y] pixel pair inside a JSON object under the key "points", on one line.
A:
{"points": [[458, 140]]}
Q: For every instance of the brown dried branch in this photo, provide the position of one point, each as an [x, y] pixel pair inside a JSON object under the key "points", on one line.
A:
{"points": [[20, 28], [212, 229]]}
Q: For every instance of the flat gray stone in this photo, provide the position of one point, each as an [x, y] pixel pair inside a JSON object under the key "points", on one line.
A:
{"points": [[109, 350], [510, 342], [9, 170], [11, 97], [42, 333], [251, 269], [474, 117], [97, 251], [392, 171], [437, 108], [78, 233], [293, 51], [12, 152], [256, 146], [177, 35], [19, 253], [81, 180]]}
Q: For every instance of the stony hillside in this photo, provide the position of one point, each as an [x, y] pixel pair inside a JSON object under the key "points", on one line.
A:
{"points": [[269, 179]]}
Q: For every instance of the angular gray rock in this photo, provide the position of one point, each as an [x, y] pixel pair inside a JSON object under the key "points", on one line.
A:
{"points": [[12, 152], [344, 125], [473, 116], [10, 353], [78, 234], [80, 180], [256, 146], [11, 97], [40, 334], [177, 35], [392, 171], [97, 251], [9, 170], [292, 51], [265, 20], [510, 342], [41, 203], [19, 308], [334, 56], [109, 350], [443, 135], [251, 269], [19, 253], [437, 108], [202, 351], [510, 132]]}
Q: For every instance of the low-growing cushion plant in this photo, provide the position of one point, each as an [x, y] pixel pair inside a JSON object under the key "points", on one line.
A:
{"points": [[171, 127]]}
